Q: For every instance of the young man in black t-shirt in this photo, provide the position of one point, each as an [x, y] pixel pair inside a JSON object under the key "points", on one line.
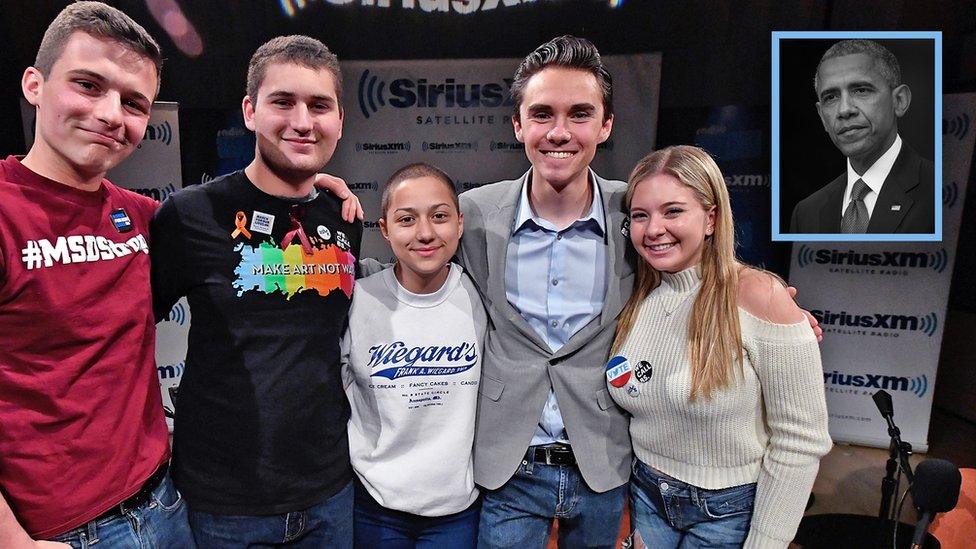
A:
{"points": [[267, 265]]}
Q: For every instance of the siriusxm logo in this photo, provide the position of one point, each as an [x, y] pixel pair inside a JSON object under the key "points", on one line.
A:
{"points": [[435, 360], [373, 225], [235, 142], [390, 147], [171, 371], [364, 186], [457, 146], [462, 186], [178, 314], [404, 93], [957, 127], [950, 194], [160, 132], [506, 146], [926, 324], [918, 385], [757, 180], [159, 194], [459, 7], [937, 261]]}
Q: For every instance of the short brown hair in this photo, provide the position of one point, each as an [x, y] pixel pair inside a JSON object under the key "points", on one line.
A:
{"points": [[298, 49], [568, 52], [413, 171], [885, 61], [101, 21]]}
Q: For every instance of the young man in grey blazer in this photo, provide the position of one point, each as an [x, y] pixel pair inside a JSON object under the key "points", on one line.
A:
{"points": [[547, 254]]}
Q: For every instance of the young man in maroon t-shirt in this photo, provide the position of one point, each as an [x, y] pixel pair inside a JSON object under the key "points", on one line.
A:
{"points": [[83, 443]]}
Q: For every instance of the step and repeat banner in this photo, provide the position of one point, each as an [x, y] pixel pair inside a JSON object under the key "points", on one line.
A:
{"points": [[882, 306], [456, 114]]}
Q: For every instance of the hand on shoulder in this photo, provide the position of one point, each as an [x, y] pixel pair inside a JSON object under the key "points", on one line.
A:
{"points": [[764, 296]]}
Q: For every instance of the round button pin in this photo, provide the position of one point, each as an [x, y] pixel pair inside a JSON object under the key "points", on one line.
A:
{"points": [[618, 371]]}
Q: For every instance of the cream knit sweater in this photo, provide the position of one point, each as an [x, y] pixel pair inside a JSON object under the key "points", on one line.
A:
{"points": [[768, 427]]}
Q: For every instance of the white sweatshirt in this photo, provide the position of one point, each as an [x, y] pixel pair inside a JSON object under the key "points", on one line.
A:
{"points": [[411, 368]]}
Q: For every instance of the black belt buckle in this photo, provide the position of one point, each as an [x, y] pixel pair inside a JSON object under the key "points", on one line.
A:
{"points": [[142, 496], [559, 454]]}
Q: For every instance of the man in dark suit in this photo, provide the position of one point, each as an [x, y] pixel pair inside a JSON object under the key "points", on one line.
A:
{"points": [[888, 187]]}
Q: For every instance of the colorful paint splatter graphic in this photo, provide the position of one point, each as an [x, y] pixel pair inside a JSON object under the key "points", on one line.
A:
{"points": [[269, 269]]}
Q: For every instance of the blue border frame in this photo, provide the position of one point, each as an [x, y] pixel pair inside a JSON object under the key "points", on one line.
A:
{"points": [[778, 236]]}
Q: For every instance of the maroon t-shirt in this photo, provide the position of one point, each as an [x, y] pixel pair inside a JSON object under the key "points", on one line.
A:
{"points": [[81, 418]]}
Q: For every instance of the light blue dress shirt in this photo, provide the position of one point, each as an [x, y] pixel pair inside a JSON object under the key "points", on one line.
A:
{"points": [[557, 281]]}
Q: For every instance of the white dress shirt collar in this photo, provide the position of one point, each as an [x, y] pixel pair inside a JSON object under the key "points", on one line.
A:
{"points": [[874, 177]]}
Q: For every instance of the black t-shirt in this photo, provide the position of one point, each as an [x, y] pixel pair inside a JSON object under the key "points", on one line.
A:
{"points": [[261, 414]]}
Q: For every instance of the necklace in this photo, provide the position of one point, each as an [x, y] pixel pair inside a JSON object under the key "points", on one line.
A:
{"points": [[667, 313]]}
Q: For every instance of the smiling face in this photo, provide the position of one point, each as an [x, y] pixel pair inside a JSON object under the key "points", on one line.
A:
{"points": [[668, 224], [423, 226], [858, 108], [92, 109], [561, 121], [296, 119]]}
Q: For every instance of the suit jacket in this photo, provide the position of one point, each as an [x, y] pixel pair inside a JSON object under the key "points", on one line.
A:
{"points": [[910, 185], [518, 367]]}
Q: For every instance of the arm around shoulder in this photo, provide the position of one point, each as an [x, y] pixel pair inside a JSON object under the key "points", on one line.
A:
{"points": [[764, 296]]}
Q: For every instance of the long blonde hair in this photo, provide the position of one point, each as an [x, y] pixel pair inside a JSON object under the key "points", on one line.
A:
{"points": [[714, 335]]}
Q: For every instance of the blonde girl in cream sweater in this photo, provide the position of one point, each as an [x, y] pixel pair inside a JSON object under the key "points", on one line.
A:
{"points": [[719, 368]]}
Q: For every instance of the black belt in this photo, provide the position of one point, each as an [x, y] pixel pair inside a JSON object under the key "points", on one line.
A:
{"points": [[139, 498], [558, 454]]}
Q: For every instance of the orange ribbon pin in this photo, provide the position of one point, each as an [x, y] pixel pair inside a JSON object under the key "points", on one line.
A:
{"points": [[240, 221]]}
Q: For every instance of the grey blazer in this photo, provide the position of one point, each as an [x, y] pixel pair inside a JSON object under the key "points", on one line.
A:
{"points": [[518, 367]]}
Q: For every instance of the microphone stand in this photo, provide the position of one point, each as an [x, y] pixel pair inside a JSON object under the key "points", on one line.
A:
{"points": [[850, 531], [898, 452]]}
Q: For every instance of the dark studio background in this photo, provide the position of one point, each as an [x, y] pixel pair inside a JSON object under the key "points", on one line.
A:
{"points": [[715, 55]]}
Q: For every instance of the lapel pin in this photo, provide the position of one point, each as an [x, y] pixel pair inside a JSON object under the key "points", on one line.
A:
{"points": [[121, 220], [896, 207], [618, 371], [643, 371]]}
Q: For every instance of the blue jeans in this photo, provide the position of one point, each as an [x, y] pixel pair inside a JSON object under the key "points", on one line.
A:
{"points": [[671, 513], [377, 526], [327, 524], [520, 513], [159, 523]]}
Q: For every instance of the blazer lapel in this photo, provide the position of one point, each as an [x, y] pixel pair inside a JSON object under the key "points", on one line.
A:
{"points": [[894, 202], [620, 267], [831, 211], [498, 233]]}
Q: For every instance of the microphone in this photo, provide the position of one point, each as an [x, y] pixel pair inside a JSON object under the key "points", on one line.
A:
{"points": [[935, 490], [883, 401]]}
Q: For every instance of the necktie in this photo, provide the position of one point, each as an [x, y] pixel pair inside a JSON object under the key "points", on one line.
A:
{"points": [[855, 218]]}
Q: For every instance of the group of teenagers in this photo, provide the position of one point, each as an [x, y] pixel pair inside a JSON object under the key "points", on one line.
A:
{"points": [[585, 341]]}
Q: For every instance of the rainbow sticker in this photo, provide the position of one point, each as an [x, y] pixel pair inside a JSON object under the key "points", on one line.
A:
{"points": [[269, 269]]}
